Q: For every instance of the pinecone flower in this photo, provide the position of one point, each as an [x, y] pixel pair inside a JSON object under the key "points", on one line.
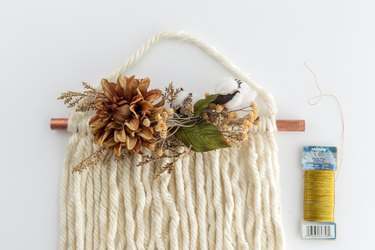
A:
{"points": [[121, 111]]}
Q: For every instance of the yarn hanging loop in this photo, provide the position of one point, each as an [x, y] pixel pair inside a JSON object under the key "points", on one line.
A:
{"points": [[209, 50]]}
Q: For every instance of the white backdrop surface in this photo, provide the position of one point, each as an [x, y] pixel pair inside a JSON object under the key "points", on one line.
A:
{"points": [[47, 47]]}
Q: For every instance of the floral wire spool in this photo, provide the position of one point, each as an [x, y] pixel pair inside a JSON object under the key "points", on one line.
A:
{"points": [[215, 159], [319, 195], [319, 165]]}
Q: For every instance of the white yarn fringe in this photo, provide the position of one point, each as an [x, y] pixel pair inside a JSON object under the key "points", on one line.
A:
{"points": [[223, 199]]}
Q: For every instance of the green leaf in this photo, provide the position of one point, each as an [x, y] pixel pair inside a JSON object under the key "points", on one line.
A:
{"points": [[201, 104], [201, 137]]}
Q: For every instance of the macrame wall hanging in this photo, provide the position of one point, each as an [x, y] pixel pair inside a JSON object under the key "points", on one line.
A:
{"points": [[123, 189]]}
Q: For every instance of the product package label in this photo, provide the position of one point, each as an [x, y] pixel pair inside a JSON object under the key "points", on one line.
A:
{"points": [[319, 158]]}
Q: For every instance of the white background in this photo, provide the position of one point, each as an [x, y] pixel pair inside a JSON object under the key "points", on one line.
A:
{"points": [[47, 47]]}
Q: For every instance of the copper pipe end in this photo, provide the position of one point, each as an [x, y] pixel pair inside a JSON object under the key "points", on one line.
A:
{"points": [[290, 125], [59, 123], [282, 125]]}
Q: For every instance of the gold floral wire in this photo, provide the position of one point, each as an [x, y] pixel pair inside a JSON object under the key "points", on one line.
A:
{"points": [[319, 195]]}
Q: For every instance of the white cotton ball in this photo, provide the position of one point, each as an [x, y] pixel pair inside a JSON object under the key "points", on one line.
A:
{"points": [[180, 98], [243, 98], [248, 94], [235, 102], [226, 85]]}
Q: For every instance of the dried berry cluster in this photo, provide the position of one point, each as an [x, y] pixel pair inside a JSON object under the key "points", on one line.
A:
{"points": [[235, 129]]}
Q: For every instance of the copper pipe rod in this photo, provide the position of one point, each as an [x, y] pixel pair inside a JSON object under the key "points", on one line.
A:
{"points": [[59, 123], [282, 125], [290, 125]]}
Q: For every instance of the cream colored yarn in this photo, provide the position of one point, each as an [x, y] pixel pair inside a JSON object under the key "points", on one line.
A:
{"points": [[223, 199]]}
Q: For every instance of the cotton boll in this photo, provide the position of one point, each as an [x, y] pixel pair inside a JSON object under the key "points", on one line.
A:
{"points": [[226, 85], [243, 98], [248, 94], [235, 102], [180, 98]]}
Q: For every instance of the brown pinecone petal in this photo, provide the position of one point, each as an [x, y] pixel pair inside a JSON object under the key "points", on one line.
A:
{"points": [[122, 113], [132, 109], [110, 142], [137, 147], [145, 106], [119, 90], [143, 85], [155, 111], [122, 82], [114, 125], [93, 121], [133, 124], [100, 98], [109, 90], [146, 133], [131, 83], [137, 98], [120, 135], [104, 136], [152, 95], [130, 142], [96, 124], [122, 102], [117, 149], [160, 103]]}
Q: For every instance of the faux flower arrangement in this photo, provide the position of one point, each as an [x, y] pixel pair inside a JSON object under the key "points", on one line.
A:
{"points": [[131, 119]]}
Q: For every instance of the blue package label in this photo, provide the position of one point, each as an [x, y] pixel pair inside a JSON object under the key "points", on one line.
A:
{"points": [[319, 158]]}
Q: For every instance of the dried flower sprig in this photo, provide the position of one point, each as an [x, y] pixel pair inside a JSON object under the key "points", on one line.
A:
{"points": [[187, 106], [91, 160], [83, 101], [233, 128], [171, 93], [169, 167], [172, 156]]}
